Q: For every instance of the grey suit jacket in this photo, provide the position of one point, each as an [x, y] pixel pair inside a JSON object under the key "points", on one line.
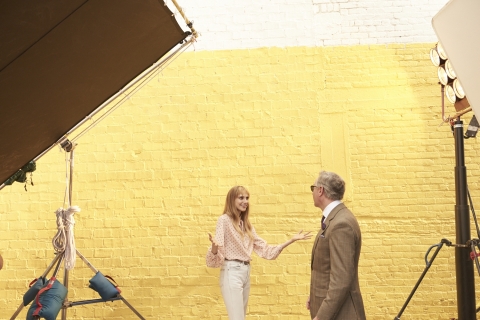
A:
{"points": [[334, 289]]}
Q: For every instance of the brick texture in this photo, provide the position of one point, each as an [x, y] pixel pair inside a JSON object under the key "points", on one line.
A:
{"points": [[250, 24], [151, 181]]}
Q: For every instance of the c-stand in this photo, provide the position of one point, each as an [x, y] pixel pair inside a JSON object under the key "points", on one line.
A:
{"points": [[464, 269], [66, 251]]}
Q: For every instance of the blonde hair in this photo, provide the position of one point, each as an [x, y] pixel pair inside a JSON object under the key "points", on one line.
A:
{"points": [[236, 215]]}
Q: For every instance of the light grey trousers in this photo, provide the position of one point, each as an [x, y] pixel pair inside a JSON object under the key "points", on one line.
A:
{"points": [[235, 287]]}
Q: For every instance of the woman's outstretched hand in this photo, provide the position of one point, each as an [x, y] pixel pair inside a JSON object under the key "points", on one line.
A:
{"points": [[214, 244], [298, 236], [302, 236]]}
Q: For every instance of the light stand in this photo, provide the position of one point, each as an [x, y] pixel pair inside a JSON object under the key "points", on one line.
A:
{"points": [[465, 250], [61, 256], [456, 94], [463, 263]]}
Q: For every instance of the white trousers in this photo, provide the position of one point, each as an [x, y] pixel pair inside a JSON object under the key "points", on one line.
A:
{"points": [[235, 286]]}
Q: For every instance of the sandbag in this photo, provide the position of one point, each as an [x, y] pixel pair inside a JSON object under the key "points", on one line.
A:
{"points": [[104, 286], [32, 292], [49, 301]]}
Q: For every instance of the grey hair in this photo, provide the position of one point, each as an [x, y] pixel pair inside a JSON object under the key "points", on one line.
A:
{"points": [[333, 185]]}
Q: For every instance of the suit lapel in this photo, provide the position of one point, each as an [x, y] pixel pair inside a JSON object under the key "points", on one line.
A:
{"points": [[321, 233], [315, 246], [332, 215]]}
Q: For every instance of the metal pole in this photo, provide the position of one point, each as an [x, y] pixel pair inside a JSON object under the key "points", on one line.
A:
{"points": [[131, 307], [463, 264], [70, 192], [87, 262]]}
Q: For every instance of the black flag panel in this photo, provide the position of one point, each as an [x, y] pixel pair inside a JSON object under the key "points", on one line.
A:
{"points": [[60, 60]]}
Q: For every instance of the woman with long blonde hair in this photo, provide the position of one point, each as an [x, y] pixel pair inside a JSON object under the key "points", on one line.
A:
{"points": [[235, 240]]}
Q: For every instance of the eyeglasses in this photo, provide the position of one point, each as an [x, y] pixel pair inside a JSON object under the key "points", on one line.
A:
{"points": [[312, 188]]}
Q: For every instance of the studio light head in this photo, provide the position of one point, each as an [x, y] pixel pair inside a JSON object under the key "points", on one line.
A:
{"points": [[450, 93], [438, 55], [456, 26], [443, 76], [458, 89], [449, 70], [448, 78]]}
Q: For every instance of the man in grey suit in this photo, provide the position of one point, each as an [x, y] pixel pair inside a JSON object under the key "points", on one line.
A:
{"points": [[334, 288]]}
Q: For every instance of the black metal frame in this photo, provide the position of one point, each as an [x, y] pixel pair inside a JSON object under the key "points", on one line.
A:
{"points": [[463, 264], [465, 248]]}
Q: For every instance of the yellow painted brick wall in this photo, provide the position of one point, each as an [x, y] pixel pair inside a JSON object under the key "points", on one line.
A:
{"points": [[151, 181]]}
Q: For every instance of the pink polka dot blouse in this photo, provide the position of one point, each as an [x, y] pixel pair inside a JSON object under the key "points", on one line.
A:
{"points": [[232, 245]]}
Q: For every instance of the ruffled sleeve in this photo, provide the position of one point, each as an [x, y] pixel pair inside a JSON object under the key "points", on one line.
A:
{"points": [[263, 249], [216, 260]]}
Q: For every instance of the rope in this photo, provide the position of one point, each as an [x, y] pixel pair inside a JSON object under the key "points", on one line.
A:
{"points": [[66, 197], [64, 240]]}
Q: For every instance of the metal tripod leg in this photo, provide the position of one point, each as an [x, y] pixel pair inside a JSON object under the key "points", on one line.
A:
{"points": [[65, 283], [20, 307], [428, 264], [87, 262], [44, 275], [131, 307], [95, 270]]}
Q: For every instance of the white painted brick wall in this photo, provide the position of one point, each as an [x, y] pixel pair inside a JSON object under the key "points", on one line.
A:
{"points": [[228, 24]]}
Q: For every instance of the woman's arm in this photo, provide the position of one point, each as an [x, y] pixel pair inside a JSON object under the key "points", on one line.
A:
{"points": [[270, 252], [216, 253], [299, 236], [214, 244]]}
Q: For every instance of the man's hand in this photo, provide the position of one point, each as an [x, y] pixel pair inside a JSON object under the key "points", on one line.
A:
{"points": [[308, 307]]}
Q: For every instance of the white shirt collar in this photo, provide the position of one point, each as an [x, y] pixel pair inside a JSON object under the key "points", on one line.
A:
{"points": [[330, 207]]}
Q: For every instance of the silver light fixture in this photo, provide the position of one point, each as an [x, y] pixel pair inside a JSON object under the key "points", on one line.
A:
{"points": [[443, 76], [458, 89], [449, 69], [435, 57], [450, 93], [441, 51]]}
